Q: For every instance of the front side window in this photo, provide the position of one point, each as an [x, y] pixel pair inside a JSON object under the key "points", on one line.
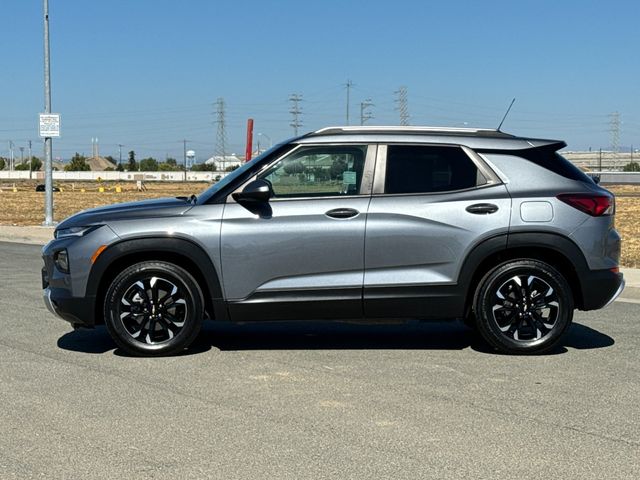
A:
{"points": [[318, 171], [428, 169]]}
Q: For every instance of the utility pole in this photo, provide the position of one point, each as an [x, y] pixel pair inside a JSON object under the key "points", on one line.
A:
{"points": [[295, 112], [403, 105], [184, 156], [365, 114], [120, 153], [600, 160], [48, 147], [11, 160], [349, 84], [21, 155], [30, 161], [221, 135]]}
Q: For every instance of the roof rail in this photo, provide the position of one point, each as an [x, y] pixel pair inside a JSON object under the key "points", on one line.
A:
{"points": [[399, 128]]}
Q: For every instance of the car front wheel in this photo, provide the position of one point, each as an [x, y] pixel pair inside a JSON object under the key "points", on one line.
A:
{"points": [[523, 306], [153, 308]]}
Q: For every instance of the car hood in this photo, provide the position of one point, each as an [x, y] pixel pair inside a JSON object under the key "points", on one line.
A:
{"points": [[162, 207]]}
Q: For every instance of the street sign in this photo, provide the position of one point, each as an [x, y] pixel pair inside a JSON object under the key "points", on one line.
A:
{"points": [[49, 125]]}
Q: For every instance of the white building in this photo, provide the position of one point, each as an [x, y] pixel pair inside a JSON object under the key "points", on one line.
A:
{"points": [[222, 163]]}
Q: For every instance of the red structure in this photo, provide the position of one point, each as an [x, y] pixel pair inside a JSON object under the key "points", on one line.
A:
{"points": [[247, 153]]}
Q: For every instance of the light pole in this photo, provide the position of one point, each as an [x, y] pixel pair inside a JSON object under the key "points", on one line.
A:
{"points": [[48, 175]]}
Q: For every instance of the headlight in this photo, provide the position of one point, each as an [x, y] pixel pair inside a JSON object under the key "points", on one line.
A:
{"points": [[61, 261], [74, 231]]}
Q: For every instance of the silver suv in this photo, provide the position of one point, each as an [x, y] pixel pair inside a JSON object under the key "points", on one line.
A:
{"points": [[351, 223]]}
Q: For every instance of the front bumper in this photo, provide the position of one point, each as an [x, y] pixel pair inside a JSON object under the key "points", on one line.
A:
{"points": [[75, 310], [600, 288]]}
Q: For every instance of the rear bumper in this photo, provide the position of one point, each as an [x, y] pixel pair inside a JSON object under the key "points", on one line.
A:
{"points": [[75, 310], [600, 288]]}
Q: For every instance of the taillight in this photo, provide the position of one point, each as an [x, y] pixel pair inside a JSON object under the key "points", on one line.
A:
{"points": [[594, 205]]}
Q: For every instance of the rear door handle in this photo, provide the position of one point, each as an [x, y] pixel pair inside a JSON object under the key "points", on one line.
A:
{"points": [[482, 208], [342, 213]]}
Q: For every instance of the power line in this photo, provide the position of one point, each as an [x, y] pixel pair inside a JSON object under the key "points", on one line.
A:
{"points": [[295, 111], [402, 105]]}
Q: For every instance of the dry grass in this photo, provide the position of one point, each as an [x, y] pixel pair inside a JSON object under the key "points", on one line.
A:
{"points": [[26, 207], [628, 223]]}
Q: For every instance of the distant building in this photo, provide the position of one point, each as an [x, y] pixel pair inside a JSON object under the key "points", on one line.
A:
{"points": [[222, 163]]}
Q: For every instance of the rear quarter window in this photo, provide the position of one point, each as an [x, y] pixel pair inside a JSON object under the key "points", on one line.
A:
{"points": [[556, 163]]}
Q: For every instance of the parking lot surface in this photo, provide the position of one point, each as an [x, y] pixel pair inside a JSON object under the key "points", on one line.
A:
{"points": [[310, 400]]}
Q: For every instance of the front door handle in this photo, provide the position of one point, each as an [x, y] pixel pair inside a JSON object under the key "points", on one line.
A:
{"points": [[342, 213], [482, 208]]}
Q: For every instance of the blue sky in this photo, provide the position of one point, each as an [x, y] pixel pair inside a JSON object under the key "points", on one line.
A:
{"points": [[146, 73]]}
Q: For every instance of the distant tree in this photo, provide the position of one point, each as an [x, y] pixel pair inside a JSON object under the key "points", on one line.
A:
{"points": [[78, 163], [36, 164], [149, 164], [203, 167], [632, 167], [231, 168], [171, 161], [3, 163], [111, 159], [337, 168], [120, 168], [132, 166], [293, 168]]}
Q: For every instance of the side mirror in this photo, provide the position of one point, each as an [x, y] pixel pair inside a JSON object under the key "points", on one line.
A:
{"points": [[258, 191]]}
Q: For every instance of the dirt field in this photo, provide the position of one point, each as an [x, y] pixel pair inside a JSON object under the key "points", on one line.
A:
{"points": [[26, 206]]}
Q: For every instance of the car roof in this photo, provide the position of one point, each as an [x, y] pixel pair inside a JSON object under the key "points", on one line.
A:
{"points": [[476, 138]]}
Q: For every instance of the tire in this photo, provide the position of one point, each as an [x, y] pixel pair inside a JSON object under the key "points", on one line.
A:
{"points": [[153, 308], [523, 307]]}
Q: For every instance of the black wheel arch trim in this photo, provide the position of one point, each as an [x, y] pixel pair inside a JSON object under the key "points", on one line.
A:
{"points": [[582, 277], [176, 245]]}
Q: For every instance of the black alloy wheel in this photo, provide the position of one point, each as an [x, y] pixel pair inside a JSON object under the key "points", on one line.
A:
{"points": [[154, 308], [523, 306]]}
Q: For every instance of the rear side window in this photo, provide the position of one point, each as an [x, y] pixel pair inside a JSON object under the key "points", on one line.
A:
{"points": [[557, 164], [427, 169]]}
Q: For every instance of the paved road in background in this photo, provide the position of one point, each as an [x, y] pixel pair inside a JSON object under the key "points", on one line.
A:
{"points": [[314, 401]]}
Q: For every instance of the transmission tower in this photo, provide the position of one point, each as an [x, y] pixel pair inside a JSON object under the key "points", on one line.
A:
{"points": [[614, 130], [365, 114], [403, 105], [295, 111], [221, 136]]}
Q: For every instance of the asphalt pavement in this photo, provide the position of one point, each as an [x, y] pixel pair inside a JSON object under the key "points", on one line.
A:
{"points": [[311, 400]]}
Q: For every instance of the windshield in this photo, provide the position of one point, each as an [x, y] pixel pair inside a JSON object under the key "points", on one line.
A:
{"points": [[231, 177]]}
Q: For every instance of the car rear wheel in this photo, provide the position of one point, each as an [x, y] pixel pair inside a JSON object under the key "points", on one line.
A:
{"points": [[154, 308], [523, 306]]}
